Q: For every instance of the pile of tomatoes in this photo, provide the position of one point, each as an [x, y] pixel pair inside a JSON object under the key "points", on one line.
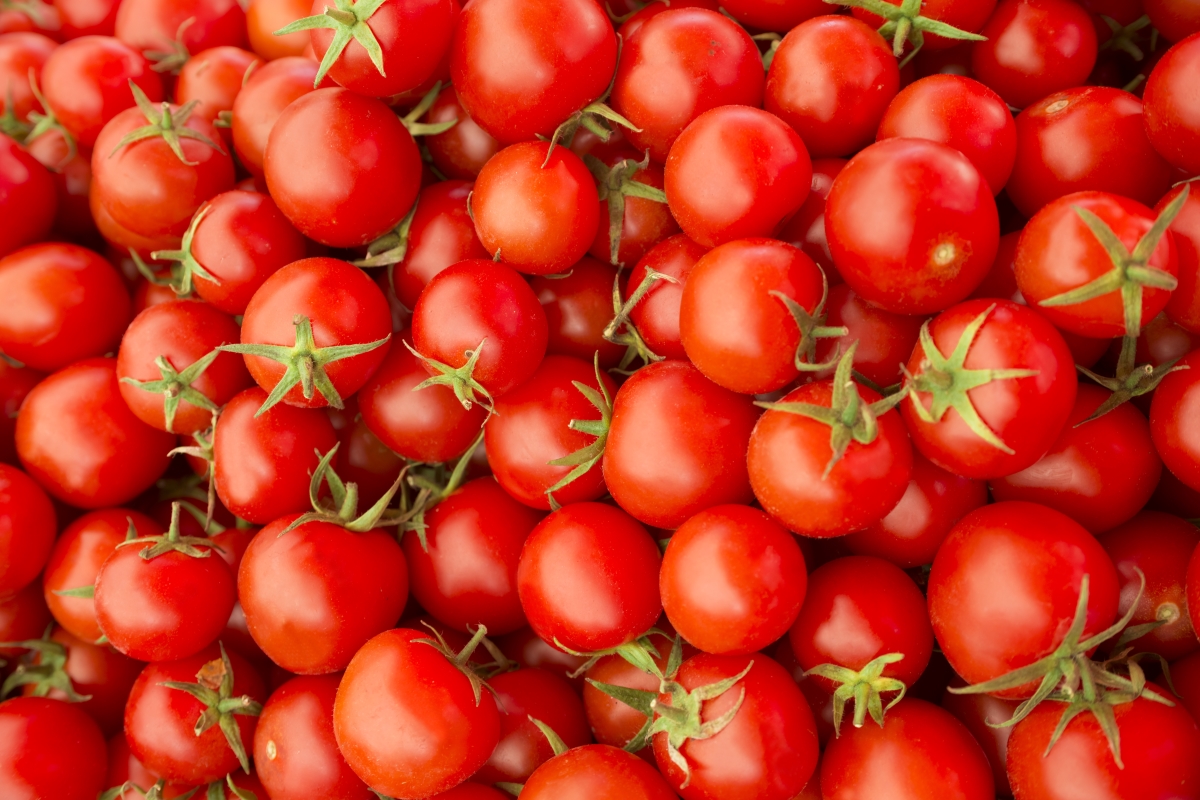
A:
{"points": [[778, 400]]}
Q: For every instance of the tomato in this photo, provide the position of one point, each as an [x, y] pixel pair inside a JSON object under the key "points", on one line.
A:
{"points": [[398, 675], [262, 99], [612, 721], [983, 714], [633, 216], [933, 231], [27, 529], [1176, 19], [172, 31], [1033, 48], [708, 61], [1172, 414], [735, 172], [596, 772], [122, 239], [579, 309], [87, 17], [567, 51], [732, 580], [919, 751], [832, 79], [528, 649], [677, 445], [774, 15], [264, 17], [884, 339], [961, 113], [656, 316], [23, 616], [441, 233], [214, 78], [1005, 585], [345, 194], [21, 52], [262, 464], [461, 151], [1184, 306], [28, 198], [806, 228], [49, 748], [72, 171], [15, 383], [963, 15]]}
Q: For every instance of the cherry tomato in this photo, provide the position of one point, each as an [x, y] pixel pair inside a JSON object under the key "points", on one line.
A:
{"points": [[461, 151], [884, 339], [71, 167], [172, 31], [579, 308], [528, 649], [266, 93], [1172, 414], [595, 772], [21, 52], [80, 18], [965, 15], [23, 616], [657, 315], [1176, 19], [983, 715], [28, 198], [15, 383], [774, 15], [264, 17], [441, 233], [806, 228], [214, 78], [49, 748], [27, 528], [1184, 306], [612, 721]]}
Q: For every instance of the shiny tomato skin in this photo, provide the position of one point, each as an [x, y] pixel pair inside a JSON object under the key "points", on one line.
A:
{"points": [[708, 61], [657, 315], [49, 748], [1005, 584], [612, 721], [529, 650], [27, 528], [82, 444], [395, 677], [1175, 19], [578, 308], [345, 194], [344, 587], [884, 339], [28, 197], [214, 78], [1172, 111], [1172, 420], [19, 53], [588, 578], [460, 152], [264, 17], [774, 15], [441, 233], [1184, 306], [644, 223], [677, 445], [831, 79], [981, 713], [732, 580], [266, 93], [596, 772], [146, 25], [262, 465]]}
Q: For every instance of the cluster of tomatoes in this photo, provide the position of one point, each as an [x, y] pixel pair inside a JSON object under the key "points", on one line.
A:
{"points": [[786, 400]]}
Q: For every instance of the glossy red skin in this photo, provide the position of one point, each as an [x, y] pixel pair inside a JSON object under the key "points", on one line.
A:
{"points": [[214, 78], [159, 721], [645, 222], [1028, 414], [441, 233], [1176, 19], [444, 735], [535, 208], [346, 195], [314, 595], [736, 172], [413, 38], [767, 752], [677, 445], [295, 754], [1172, 420], [20, 52], [706, 59], [149, 25], [567, 52], [774, 15], [65, 303], [934, 232], [86, 82], [86, 17], [523, 748], [344, 306], [122, 239], [82, 444], [920, 751], [468, 574], [49, 748], [486, 301], [596, 772], [15, 383], [831, 80], [27, 197], [264, 17], [1184, 306], [23, 616], [788, 456], [739, 334], [910, 534], [529, 650], [806, 228], [958, 112], [1005, 584], [1034, 48], [578, 308], [732, 580], [982, 714], [1157, 747], [263, 465], [966, 15], [1172, 112], [27, 528], [76, 560], [656, 316], [362, 459], [884, 339], [270, 89], [531, 428], [1099, 474], [461, 151]]}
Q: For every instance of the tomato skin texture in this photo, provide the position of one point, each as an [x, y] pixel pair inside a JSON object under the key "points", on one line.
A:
{"points": [[732, 580], [774, 15], [831, 79], [1005, 584], [159, 721], [806, 228], [82, 444], [460, 152], [537, 209], [884, 339], [27, 529], [578, 308], [706, 59], [1172, 421], [1184, 306], [441, 234], [295, 754], [23, 616], [920, 752], [596, 772], [395, 676], [768, 751], [1172, 112], [1028, 414], [49, 748], [739, 334], [980, 713], [262, 465], [266, 93], [735, 172], [555, 78], [677, 445], [657, 315], [27, 197], [19, 53], [961, 113], [345, 195]]}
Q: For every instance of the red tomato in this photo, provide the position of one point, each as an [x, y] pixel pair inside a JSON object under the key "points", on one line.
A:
{"points": [[171, 31], [612, 721], [87, 17], [983, 715], [774, 15], [529, 650], [579, 308], [266, 93], [461, 151], [1172, 112], [965, 15], [441, 233], [28, 198], [643, 222], [15, 383], [27, 528], [806, 228], [21, 52], [657, 315], [214, 78], [884, 339], [595, 772], [264, 17], [1172, 420], [1176, 19], [49, 748], [1184, 306], [23, 616]]}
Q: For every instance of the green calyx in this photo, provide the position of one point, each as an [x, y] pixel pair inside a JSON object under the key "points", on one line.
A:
{"points": [[392, 247], [172, 542], [1131, 380], [865, 687], [43, 123], [621, 329], [89, 592], [11, 125], [1124, 37], [460, 379], [214, 689], [175, 56], [170, 126], [342, 507], [641, 653], [812, 327], [184, 266], [613, 185], [462, 659], [33, 9], [176, 387], [905, 25], [640, 699], [44, 668], [305, 363], [587, 457], [433, 485], [848, 417], [679, 717], [594, 117], [416, 128], [203, 450], [214, 791], [949, 382], [1131, 271], [348, 20]]}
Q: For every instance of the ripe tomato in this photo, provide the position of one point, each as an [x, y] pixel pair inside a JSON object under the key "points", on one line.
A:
{"points": [[1171, 110], [264, 17], [441, 233], [884, 339], [27, 528], [49, 748], [21, 52], [15, 383], [612, 721], [23, 616], [171, 31], [214, 78], [1176, 19], [579, 308], [774, 15], [461, 151], [87, 17], [1172, 420], [595, 772], [656, 317], [982, 713], [1184, 306], [28, 198], [265, 94], [964, 15]]}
